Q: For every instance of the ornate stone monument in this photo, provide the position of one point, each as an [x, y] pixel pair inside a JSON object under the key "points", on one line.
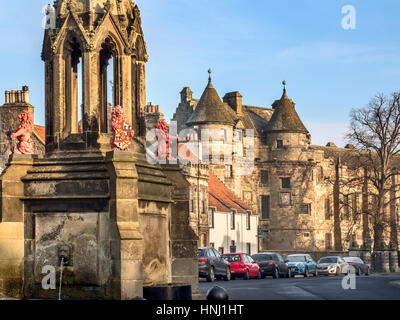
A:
{"points": [[116, 222]]}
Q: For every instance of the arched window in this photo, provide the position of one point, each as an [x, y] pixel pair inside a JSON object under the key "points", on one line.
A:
{"points": [[108, 83], [73, 84]]}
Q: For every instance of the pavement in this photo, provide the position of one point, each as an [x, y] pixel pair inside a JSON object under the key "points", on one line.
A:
{"points": [[373, 287]]}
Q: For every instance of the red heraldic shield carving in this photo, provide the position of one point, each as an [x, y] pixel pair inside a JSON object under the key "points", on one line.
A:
{"points": [[123, 133]]}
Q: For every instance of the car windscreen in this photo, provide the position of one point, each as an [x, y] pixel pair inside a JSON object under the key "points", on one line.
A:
{"points": [[262, 257], [353, 259], [296, 259], [233, 258], [328, 260], [202, 253]]}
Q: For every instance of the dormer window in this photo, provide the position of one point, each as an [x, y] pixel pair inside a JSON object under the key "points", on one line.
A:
{"points": [[279, 144]]}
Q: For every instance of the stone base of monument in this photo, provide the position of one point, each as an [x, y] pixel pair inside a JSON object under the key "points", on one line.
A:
{"points": [[175, 292]]}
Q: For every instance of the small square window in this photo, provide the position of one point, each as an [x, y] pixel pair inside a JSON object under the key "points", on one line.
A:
{"points": [[305, 209], [285, 183]]}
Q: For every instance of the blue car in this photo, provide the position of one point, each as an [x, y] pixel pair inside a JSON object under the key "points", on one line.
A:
{"points": [[302, 264]]}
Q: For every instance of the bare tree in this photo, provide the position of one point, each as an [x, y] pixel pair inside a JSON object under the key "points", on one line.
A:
{"points": [[375, 131]]}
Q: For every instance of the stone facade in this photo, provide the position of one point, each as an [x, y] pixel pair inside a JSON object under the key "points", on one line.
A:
{"points": [[110, 219], [291, 183]]}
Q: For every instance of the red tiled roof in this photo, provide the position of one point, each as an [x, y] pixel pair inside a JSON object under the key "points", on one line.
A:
{"points": [[221, 197], [39, 131]]}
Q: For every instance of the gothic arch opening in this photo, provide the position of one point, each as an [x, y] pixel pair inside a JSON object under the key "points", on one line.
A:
{"points": [[73, 84], [108, 82]]}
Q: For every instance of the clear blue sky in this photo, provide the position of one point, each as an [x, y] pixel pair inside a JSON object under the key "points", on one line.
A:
{"points": [[251, 47]]}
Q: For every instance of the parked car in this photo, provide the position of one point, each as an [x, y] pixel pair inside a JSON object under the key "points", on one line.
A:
{"points": [[360, 266], [272, 264], [302, 264], [243, 265], [332, 265], [212, 266]]}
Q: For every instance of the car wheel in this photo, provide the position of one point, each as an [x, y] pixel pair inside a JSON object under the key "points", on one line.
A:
{"points": [[259, 275], [247, 275], [306, 273], [276, 274], [211, 275], [367, 272], [228, 274]]}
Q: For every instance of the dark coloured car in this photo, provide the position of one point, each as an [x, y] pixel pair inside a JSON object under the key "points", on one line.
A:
{"points": [[212, 266], [243, 265], [360, 266], [272, 264]]}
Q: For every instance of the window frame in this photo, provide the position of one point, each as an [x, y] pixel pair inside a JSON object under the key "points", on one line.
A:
{"points": [[233, 219], [248, 220], [264, 173], [267, 202], [286, 185]]}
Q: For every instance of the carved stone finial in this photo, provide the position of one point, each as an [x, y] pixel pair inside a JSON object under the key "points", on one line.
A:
{"points": [[107, 6], [209, 74], [23, 134]]}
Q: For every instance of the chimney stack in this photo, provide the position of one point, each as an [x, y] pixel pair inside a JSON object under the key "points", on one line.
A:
{"points": [[234, 100], [7, 93], [25, 92], [186, 95]]}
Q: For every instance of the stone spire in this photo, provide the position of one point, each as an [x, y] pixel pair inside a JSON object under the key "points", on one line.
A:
{"points": [[211, 109], [285, 117]]}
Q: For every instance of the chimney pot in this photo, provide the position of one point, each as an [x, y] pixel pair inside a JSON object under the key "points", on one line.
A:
{"points": [[19, 96], [25, 93], [7, 93], [13, 96]]}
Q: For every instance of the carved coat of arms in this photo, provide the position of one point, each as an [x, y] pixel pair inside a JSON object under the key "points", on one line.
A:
{"points": [[123, 132]]}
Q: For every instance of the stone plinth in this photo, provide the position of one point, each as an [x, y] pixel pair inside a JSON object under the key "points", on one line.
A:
{"points": [[12, 226], [183, 239]]}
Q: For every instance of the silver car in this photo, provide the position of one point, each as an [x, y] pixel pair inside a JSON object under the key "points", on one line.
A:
{"points": [[332, 265]]}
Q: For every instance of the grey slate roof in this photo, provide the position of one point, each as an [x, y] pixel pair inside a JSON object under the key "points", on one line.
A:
{"points": [[285, 117], [211, 109]]}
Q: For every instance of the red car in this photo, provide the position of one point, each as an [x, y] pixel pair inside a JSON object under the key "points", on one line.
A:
{"points": [[243, 265]]}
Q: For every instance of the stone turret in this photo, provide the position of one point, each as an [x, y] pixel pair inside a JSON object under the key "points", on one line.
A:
{"points": [[285, 134], [211, 109]]}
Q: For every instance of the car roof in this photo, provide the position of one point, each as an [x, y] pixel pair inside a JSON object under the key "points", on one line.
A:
{"points": [[228, 254], [298, 254], [330, 257], [266, 253]]}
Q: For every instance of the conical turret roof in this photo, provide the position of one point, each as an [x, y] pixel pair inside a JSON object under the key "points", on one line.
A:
{"points": [[285, 117], [211, 109]]}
